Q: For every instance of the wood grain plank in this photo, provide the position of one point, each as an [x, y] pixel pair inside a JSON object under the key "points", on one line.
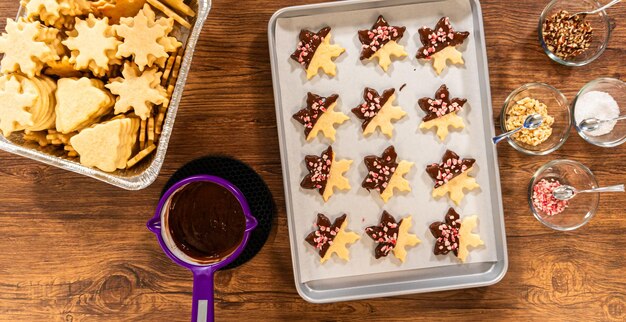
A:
{"points": [[75, 249]]}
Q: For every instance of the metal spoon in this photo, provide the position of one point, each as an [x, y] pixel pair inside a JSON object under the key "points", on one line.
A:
{"points": [[531, 122], [592, 124], [606, 6], [566, 192]]}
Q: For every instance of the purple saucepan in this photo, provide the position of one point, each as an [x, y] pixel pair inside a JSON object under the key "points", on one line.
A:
{"points": [[203, 309]]}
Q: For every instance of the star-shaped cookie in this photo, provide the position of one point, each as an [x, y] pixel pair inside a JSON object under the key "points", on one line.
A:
{"points": [[93, 45], [328, 239], [326, 173], [143, 36], [384, 174], [454, 235], [25, 49], [392, 236], [441, 112], [14, 106], [138, 90], [381, 42], [319, 116], [314, 51], [439, 44], [451, 176], [378, 111]]}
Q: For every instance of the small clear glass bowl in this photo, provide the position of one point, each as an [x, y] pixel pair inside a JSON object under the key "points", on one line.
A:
{"points": [[617, 89], [600, 23], [581, 208], [558, 108]]}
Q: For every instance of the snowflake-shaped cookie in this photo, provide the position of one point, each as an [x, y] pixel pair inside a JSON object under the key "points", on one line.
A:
{"points": [[56, 13], [93, 45], [138, 90], [328, 239], [14, 105], [319, 116], [23, 48], [314, 51], [441, 112], [439, 44], [381, 42], [326, 173], [454, 235], [385, 174], [143, 38], [392, 236], [451, 176], [378, 111]]}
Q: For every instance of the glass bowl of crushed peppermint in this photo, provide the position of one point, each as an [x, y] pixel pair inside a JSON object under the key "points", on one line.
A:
{"points": [[605, 100], [573, 40], [559, 214], [537, 98]]}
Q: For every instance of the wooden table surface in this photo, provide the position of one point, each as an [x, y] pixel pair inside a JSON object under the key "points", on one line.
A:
{"points": [[72, 248]]}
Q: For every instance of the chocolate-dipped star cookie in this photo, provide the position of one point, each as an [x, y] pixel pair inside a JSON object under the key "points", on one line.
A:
{"points": [[439, 44], [319, 116], [385, 174], [329, 239], [392, 236], [378, 111], [441, 112], [326, 173], [451, 176], [381, 42], [454, 235], [314, 51]]}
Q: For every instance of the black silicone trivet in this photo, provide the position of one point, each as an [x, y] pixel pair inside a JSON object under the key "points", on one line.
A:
{"points": [[251, 185]]}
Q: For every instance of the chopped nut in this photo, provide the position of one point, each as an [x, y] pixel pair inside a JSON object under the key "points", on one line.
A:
{"points": [[567, 36]]}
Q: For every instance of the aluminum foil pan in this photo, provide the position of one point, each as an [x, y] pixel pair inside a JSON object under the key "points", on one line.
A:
{"points": [[146, 172]]}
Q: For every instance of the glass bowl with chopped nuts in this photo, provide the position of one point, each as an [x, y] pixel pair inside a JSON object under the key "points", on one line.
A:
{"points": [[573, 40], [559, 214], [542, 99]]}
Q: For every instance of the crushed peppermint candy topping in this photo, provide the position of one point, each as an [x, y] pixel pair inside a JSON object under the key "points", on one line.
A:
{"points": [[451, 166], [319, 170], [447, 234], [380, 34], [322, 238], [543, 199], [385, 234], [434, 40], [308, 44], [440, 105], [373, 103], [380, 170], [316, 106]]}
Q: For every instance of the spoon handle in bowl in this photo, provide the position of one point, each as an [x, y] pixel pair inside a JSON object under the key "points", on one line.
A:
{"points": [[615, 188], [497, 139]]}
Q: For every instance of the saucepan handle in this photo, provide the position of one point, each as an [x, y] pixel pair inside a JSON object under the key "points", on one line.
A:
{"points": [[202, 308]]}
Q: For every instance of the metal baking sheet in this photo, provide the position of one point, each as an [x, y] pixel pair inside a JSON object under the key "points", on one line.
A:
{"points": [[389, 279], [144, 173]]}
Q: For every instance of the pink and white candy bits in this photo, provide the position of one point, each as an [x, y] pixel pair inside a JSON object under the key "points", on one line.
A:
{"points": [[543, 199]]}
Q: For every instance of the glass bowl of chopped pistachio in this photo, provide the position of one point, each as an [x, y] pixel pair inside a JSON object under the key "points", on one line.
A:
{"points": [[574, 39], [596, 110], [537, 98]]}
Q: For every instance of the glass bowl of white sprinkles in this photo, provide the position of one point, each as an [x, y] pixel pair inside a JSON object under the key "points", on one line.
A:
{"points": [[603, 99]]}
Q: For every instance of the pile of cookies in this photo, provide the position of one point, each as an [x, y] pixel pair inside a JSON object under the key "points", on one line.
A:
{"points": [[93, 79], [386, 171]]}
